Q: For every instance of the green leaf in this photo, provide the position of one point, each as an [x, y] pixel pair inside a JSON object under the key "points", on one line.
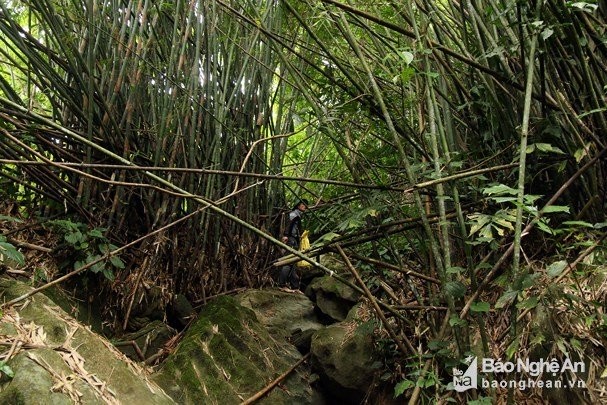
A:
{"points": [[456, 289], [500, 189], [560, 343], [506, 299], [503, 199], [580, 154], [9, 219], [73, 238], [528, 280], [96, 233], [402, 386], [556, 208], [547, 33], [584, 6], [481, 401], [8, 252], [455, 270], [117, 262], [480, 307], [406, 56], [455, 320], [6, 370], [529, 303], [578, 223], [546, 147], [512, 348], [556, 268], [109, 274], [543, 226]]}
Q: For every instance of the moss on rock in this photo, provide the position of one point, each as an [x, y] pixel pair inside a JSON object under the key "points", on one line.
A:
{"points": [[227, 356], [101, 359]]}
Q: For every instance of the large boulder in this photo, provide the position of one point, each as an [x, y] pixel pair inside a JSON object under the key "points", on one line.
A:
{"points": [[343, 355], [56, 360], [227, 355], [333, 298], [281, 312]]}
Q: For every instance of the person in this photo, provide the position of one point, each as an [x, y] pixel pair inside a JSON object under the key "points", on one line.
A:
{"points": [[288, 276]]}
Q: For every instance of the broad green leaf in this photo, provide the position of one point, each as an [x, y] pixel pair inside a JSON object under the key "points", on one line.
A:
{"points": [[500, 189], [529, 280], [455, 270], [117, 262], [546, 147], [6, 370], [503, 222], [547, 33], [456, 289], [407, 57], [580, 154], [402, 386], [556, 268], [480, 307], [74, 238], [506, 299], [529, 303], [480, 221], [455, 320], [96, 233], [8, 252], [560, 343]]}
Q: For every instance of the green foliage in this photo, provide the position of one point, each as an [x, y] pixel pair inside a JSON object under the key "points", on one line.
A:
{"points": [[481, 401], [9, 254], [487, 226], [402, 386], [87, 246], [6, 370]]}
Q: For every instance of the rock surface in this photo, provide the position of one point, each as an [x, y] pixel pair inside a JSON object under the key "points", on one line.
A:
{"points": [[281, 312], [59, 361], [333, 298], [227, 355], [343, 355]]}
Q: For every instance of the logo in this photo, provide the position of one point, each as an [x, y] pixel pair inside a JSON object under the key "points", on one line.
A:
{"points": [[542, 373], [463, 381]]}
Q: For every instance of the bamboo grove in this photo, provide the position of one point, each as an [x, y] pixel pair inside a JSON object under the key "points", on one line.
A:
{"points": [[454, 153]]}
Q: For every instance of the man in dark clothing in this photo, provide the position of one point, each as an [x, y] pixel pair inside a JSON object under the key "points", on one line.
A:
{"points": [[292, 237]]}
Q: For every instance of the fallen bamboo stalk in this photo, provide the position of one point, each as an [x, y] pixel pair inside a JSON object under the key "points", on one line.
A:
{"points": [[260, 394], [29, 245]]}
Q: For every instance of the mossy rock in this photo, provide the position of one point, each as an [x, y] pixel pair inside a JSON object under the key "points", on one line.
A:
{"points": [[150, 340], [332, 297], [101, 359], [344, 356], [283, 313], [39, 374], [227, 356]]}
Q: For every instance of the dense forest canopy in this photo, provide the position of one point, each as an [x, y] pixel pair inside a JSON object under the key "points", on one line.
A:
{"points": [[454, 151]]}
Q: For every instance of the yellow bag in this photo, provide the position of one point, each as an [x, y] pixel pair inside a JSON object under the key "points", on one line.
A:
{"points": [[304, 244]]}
